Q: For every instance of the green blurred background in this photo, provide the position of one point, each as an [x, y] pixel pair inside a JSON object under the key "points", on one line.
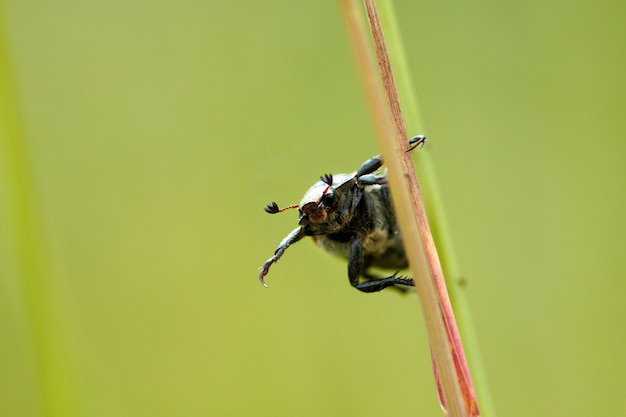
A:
{"points": [[155, 132]]}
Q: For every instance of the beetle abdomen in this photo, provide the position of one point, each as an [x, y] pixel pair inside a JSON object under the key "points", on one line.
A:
{"points": [[337, 247]]}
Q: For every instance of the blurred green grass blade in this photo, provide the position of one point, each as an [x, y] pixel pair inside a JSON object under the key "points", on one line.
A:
{"points": [[28, 270], [435, 208]]}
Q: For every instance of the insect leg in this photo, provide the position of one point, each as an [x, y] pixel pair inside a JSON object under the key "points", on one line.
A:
{"points": [[416, 141], [291, 238], [364, 174], [369, 166], [378, 284], [376, 162], [372, 179], [355, 264], [355, 261]]}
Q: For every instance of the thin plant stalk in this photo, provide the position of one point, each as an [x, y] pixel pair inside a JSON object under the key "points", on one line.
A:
{"points": [[428, 181], [451, 372]]}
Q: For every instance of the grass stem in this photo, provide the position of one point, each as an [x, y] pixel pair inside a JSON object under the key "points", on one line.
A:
{"points": [[451, 370]]}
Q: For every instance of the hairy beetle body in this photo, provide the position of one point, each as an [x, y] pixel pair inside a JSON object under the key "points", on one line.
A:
{"points": [[382, 243], [351, 215]]}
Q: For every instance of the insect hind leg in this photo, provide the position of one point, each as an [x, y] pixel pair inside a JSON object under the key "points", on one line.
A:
{"points": [[374, 284]]}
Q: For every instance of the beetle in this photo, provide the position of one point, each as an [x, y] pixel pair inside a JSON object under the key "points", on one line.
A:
{"points": [[351, 215]]}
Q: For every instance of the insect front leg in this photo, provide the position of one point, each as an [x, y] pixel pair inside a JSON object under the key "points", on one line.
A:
{"points": [[291, 238], [364, 174], [369, 166], [355, 266], [416, 141]]}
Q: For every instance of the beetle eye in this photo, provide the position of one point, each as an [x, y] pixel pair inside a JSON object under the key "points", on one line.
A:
{"points": [[327, 198]]}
